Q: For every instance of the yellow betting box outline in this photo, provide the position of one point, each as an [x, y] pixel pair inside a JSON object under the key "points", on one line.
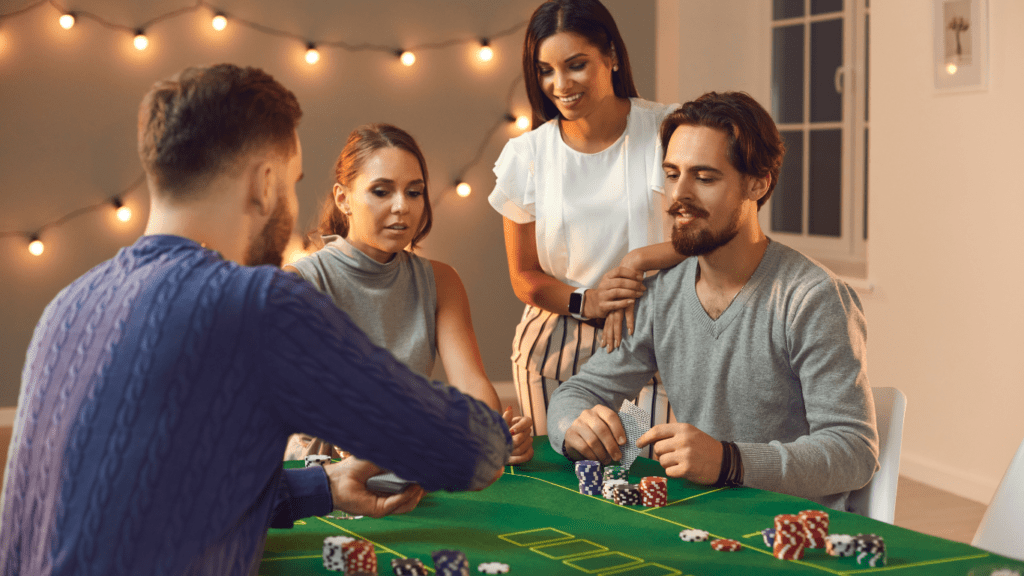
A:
{"points": [[573, 559], [577, 563], [568, 549]]}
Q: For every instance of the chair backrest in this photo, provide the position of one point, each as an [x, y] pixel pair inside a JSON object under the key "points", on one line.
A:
{"points": [[1002, 528], [877, 500]]}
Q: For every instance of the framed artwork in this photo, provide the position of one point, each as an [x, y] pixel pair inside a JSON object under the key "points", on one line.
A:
{"points": [[961, 45]]}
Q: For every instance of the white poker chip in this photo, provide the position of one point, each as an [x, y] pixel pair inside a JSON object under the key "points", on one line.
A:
{"points": [[693, 535], [1005, 572], [493, 568]]}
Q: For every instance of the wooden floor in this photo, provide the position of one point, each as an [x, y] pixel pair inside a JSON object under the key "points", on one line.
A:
{"points": [[918, 506]]}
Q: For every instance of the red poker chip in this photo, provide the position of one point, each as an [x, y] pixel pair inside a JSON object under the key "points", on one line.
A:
{"points": [[726, 545]]}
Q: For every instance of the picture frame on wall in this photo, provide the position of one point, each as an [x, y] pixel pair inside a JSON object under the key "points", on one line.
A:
{"points": [[961, 45]]}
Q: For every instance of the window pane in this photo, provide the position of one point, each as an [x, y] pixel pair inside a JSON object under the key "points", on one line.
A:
{"points": [[824, 6], [865, 183], [826, 58], [825, 186], [788, 74], [788, 196], [787, 9]]}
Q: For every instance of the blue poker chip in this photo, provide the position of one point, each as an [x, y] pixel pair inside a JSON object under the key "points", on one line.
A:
{"points": [[769, 537]]}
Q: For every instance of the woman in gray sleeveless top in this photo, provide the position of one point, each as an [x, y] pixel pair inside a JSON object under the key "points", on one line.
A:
{"points": [[412, 306]]}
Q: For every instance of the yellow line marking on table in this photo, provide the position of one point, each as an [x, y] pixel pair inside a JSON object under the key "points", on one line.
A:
{"points": [[694, 496], [918, 564]]}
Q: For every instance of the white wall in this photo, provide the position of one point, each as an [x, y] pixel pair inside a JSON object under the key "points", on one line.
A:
{"points": [[68, 101], [946, 320], [945, 211]]}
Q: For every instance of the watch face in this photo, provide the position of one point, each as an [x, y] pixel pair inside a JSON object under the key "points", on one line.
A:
{"points": [[575, 303]]}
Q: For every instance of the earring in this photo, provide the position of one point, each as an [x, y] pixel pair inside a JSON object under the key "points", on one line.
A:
{"points": [[347, 210], [615, 68]]}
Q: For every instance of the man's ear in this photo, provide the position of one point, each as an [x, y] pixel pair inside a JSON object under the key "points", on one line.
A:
{"points": [[757, 186], [262, 180]]}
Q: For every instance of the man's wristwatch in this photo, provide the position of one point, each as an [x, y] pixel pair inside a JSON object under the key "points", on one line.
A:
{"points": [[576, 301]]}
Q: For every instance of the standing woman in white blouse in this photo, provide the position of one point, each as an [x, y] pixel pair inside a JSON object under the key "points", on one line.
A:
{"points": [[582, 200]]}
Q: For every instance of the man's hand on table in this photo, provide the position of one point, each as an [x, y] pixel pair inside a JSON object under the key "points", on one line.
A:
{"points": [[596, 434], [684, 451], [522, 443], [348, 490]]}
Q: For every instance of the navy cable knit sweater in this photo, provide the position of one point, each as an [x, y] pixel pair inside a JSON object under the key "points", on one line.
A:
{"points": [[157, 396]]}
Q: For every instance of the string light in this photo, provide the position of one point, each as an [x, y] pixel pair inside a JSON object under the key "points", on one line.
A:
{"points": [[35, 246], [486, 53], [312, 54], [123, 212], [951, 68], [141, 42], [219, 22], [523, 123]]}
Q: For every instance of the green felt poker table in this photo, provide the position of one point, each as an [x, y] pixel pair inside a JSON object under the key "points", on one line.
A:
{"points": [[535, 520]]}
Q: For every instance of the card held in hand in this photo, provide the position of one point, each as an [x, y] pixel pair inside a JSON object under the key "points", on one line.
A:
{"points": [[635, 421]]}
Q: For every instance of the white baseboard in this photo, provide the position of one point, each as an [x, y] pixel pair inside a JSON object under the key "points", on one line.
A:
{"points": [[960, 482], [7, 415]]}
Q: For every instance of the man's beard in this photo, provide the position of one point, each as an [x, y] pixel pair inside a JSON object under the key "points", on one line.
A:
{"points": [[268, 247], [690, 241]]}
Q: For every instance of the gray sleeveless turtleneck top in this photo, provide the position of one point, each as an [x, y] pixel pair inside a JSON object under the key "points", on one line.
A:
{"points": [[394, 303]]}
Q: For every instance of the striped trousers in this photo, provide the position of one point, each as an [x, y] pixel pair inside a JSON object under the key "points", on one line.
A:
{"points": [[549, 348]]}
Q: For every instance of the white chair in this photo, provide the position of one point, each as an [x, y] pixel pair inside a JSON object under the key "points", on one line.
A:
{"points": [[1002, 528], [877, 500]]}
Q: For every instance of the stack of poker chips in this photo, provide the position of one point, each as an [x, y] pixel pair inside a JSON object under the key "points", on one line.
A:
{"points": [[627, 495], [589, 473], [450, 563], [871, 547], [815, 527], [317, 460], [789, 537], [615, 473], [839, 545], [408, 567], [608, 488], [654, 490], [334, 556], [359, 557]]}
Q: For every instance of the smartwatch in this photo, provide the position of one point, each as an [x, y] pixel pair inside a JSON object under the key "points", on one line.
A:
{"points": [[576, 300]]}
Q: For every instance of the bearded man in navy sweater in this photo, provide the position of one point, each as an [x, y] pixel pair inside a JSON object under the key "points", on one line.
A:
{"points": [[160, 388]]}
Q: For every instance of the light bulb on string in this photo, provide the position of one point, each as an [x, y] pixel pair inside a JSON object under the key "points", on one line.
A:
{"points": [[523, 123], [312, 54], [486, 53], [123, 212], [67, 20], [951, 68], [35, 246], [407, 58], [141, 42], [463, 189], [219, 22]]}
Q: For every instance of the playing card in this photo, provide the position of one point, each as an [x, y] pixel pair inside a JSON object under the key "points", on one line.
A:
{"points": [[636, 421]]}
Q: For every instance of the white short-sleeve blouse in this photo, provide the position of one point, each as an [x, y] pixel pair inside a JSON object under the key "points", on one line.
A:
{"points": [[590, 209]]}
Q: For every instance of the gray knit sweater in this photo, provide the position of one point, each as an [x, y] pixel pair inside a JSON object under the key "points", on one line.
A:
{"points": [[783, 373]]}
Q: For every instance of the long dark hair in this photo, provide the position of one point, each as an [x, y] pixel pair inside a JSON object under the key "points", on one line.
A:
{"points": [[591, 20], [361, 144]]}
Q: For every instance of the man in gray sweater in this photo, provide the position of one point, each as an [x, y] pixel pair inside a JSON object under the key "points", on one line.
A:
{"points": [[762, 351]]}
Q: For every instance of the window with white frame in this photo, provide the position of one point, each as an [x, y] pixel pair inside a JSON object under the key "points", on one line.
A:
{"points": [[819, 101]]}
